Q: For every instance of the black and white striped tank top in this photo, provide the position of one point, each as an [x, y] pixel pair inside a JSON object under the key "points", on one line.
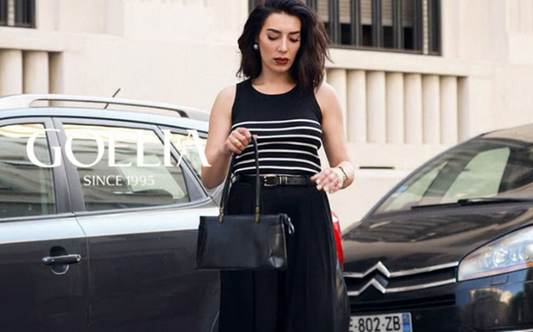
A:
{"points": [[288, 128]]}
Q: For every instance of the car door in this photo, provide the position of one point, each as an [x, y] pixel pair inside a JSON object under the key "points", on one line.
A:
{"points": [[43, 250], [141, 224]]}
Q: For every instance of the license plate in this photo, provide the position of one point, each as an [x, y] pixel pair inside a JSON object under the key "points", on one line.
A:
{"points": [[381, 323]]}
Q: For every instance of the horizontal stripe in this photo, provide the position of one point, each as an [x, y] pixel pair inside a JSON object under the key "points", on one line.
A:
{"points": [[259, 138], [285, 142], [287, 160], [275, 122], [277, 168], [252, 129]]}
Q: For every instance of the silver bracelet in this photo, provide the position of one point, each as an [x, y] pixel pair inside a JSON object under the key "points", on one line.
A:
{"points": [[345, 175]]}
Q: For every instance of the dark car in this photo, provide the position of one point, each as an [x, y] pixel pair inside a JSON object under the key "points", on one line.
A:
{"points": [[450, 248], [107, 245], [99, 211]]}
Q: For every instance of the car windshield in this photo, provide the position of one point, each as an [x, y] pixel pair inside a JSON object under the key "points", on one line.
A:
{"points": [[486, 169]]}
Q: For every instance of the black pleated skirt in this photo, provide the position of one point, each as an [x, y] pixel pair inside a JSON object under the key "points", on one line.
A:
{"points": [[310, 296]]}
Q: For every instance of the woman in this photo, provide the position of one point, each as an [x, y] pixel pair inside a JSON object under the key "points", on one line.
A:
{"points": [[286, 104]]}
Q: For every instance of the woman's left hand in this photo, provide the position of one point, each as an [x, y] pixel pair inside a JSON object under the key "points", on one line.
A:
{"points": [[330, 180]]}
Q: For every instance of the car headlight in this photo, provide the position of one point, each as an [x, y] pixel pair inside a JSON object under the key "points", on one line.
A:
{"points": [[509, 253]]}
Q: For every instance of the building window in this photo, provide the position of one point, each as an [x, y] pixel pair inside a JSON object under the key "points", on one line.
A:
{"points": [[411, 26], [3, 12], [17, 13]]}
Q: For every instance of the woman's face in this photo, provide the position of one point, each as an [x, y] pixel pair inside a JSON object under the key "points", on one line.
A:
{"points": [[279, 42]]}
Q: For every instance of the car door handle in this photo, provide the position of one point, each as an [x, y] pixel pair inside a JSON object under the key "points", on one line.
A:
{"points": [[65, 259]]}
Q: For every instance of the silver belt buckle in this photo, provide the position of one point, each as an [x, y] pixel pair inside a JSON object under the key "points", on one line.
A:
{"points": [[266, 177]]}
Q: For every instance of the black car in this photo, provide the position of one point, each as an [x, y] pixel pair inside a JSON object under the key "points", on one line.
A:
{"points": [[450, 248], [96, 232], [100, 200]]}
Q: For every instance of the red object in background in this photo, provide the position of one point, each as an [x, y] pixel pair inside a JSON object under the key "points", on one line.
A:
{"points": [[338, 237]]}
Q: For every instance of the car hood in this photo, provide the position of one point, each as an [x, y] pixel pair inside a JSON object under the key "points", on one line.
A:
{"points": [[434, 236]]}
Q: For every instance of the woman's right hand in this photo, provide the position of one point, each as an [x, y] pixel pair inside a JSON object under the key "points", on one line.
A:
{"points": [[238, 140]]}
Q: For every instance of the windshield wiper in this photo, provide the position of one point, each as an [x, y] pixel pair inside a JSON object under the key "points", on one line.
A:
{"points": [[476, 201]]}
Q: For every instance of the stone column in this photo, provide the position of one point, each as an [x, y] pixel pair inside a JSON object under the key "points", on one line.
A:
{"points": [[356, 106], [448, 110], [413, 108], [375, 95], [395, 111], [463, 100], [57, 76], [57, 73], [431, 109], [337, 79], [10, 72], [36, 73]]}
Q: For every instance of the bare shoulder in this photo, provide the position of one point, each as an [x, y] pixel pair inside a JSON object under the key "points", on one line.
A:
{"points": [[325, 89], [227, 95], [224, 101], [326, 96]]}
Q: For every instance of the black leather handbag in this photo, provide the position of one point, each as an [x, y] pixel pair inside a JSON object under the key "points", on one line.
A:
{"points": [[243, 242]]}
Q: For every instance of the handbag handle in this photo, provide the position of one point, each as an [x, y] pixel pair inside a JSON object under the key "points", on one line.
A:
{"points": [[225, 191]]}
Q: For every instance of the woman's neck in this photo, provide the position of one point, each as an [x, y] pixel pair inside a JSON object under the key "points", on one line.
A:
{"points": [[273, 84]]}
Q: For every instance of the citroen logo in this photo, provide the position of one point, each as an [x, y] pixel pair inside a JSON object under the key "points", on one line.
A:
{"points": [[377, 282]]}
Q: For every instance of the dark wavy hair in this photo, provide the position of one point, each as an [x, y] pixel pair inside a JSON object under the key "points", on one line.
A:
{"points": [[308, 67]]}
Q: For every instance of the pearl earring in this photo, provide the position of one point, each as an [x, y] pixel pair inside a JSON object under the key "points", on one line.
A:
{"points": [[256, 47]]}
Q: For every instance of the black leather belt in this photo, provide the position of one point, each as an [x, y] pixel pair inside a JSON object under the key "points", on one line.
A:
{"points": [[273, 180]]}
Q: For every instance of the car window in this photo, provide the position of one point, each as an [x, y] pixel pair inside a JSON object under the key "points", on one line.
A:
{"points": [[188, 149], [134, 175], [407, 196], [481, 177], [25, 188], [476, 169]]}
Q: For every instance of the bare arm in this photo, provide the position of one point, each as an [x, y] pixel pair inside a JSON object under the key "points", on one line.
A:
{"points": [[222, 142], [341, 173]]}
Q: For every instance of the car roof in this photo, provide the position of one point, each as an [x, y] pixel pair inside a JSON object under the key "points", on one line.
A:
{"points": [[523, 133], [17, 106]]}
